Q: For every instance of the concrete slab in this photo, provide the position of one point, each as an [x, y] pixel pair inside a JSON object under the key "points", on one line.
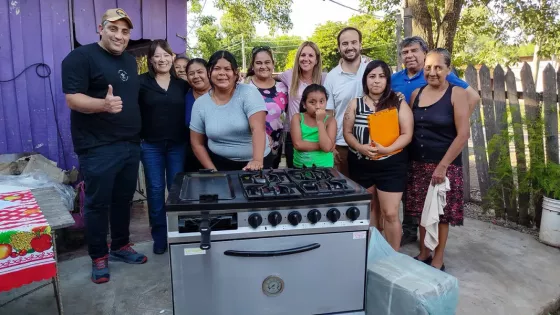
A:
{"points": [[500, 271]]}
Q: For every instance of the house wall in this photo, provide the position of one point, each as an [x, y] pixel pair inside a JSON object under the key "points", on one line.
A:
{"points": [[34, 31]]}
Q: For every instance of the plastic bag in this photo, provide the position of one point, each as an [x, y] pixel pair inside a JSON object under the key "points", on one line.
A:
{"points": [[40, 180], [397, 284]]}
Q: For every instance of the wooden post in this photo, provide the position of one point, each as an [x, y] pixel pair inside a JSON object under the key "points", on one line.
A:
{"points": [[478, 138], [534, 130], [504, 158], [398, 31], [490, 131], [550, 114], [519, 141], [407, 15]]}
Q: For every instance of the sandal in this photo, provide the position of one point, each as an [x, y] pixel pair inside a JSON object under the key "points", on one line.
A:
{"points": [[427, 261]]}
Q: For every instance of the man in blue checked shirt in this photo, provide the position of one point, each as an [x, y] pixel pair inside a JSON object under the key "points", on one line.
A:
{"points": [[413, 52]]}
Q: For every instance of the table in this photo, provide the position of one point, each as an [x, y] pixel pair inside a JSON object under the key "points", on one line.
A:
{"points": [[58, 217]]}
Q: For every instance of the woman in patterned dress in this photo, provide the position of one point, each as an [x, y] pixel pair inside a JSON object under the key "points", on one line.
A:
{"points": [[384, 177], [441, 130], [275, 95]]}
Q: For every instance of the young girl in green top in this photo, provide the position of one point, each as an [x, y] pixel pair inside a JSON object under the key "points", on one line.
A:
{"points": [[313, 131]]}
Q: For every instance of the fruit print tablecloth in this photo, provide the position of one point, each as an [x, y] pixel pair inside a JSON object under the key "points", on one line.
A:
{"points": [[26, 251]]}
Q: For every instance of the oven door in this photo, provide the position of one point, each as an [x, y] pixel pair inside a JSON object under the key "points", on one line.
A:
{"points": [[291, 275]]}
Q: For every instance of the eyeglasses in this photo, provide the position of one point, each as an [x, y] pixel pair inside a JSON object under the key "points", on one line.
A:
{"points": [[259, 49]]}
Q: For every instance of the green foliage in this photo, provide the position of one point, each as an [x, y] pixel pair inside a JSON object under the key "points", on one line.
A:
{"points": [[290, 58], [142, 64], [210, 38], [378, 40], [275, 13], [541, 178], [489, 31], [281, 47], [479, 41], [537, 21]]}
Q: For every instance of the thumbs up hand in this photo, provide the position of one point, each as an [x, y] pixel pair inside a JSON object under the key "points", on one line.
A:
{"points": [[113, 104]]}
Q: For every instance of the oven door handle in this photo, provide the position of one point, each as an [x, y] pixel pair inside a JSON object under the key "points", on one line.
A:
{"points": [[272, 253]]}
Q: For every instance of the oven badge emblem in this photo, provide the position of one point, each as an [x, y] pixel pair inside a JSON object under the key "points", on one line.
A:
{"points": [[273, 286]]}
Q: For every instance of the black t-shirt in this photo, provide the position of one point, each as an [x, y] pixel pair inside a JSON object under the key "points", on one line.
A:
{"points": [[89, 70], [163, 112]]}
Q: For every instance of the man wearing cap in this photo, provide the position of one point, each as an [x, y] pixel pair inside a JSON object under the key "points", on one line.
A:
{"points": [[101, 85]]}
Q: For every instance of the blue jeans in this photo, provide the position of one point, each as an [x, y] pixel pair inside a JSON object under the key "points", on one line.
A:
{"points": [[161, 161], [110, 175]]}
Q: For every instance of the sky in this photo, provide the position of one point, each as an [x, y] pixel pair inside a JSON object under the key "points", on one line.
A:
{"points": [[305, 16]]}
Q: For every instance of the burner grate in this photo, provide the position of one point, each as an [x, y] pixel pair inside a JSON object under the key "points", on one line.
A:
{"points": [[290, 183]]}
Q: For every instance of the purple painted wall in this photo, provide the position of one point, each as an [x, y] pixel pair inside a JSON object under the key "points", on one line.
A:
{"points": [[35, 31], [152, 19]]}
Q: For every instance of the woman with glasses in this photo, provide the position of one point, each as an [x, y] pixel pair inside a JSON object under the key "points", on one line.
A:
{"points": [[275, 95], [307, 70], [232, 116]]}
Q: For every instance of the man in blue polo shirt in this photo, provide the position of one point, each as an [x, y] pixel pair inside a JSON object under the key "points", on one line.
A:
{"points": [[413, 52]]}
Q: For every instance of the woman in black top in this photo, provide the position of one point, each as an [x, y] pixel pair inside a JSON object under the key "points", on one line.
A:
{"points": [[162, 105], [382, 170], [441, 130]]}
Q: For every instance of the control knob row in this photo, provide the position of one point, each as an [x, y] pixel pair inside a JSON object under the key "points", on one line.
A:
{"points": [[294, 217]]}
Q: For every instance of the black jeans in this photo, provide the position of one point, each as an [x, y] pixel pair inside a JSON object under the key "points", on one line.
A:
{"points": [[289, 151], [110, 174]]}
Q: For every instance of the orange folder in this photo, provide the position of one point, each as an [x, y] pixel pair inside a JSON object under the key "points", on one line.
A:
{"points": [[384, 128]]}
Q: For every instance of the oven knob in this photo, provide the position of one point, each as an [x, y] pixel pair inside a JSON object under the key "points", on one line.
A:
{"points": [[274, 218], [294, 217], [333, 215], [255, 220], [353, 213], [314, 216]]}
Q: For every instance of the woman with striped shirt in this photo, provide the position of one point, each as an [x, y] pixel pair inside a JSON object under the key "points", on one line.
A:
{"points": [[385, 177]]}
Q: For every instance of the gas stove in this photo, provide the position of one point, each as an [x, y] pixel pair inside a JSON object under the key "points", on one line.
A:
{"points": [[270, 237]]}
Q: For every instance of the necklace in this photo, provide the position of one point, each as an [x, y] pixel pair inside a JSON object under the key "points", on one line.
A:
{"points": [[375, 102]]}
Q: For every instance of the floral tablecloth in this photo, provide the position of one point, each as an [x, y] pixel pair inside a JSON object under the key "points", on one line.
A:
{"points": [[26, 249]]}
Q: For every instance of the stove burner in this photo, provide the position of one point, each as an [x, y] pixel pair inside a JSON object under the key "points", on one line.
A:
{"points": [[261, 177], [292, 183], [330, 186], [269, 191], [310, 174]]}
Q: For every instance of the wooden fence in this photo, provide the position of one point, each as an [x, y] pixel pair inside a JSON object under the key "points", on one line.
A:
{"points": [[508, 117]]}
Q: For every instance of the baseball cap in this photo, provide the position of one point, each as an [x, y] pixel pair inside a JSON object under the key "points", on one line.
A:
{"points": [[115, 15]]}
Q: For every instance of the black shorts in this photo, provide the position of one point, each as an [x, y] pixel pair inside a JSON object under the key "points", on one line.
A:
{"points": [[388, 175]]}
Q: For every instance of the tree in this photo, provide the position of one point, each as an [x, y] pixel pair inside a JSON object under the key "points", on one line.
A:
{"points": [[378, 41], [537, 21], [437, 21], [210, 38], [480, 41], [434, 20], [275, 13], [281, 46], [237, 22]]}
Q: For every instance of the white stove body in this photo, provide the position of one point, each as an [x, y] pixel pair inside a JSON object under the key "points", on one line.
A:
{"points": [[304, 269]]}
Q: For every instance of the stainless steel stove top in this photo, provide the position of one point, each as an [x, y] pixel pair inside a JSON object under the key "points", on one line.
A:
{"points": [[229, 205]]}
